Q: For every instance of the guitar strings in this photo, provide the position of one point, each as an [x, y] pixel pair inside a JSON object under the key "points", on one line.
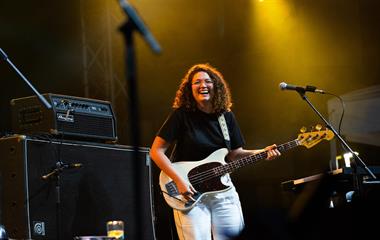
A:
{"points": [[220, 170], [223, 169], [217, 171]]}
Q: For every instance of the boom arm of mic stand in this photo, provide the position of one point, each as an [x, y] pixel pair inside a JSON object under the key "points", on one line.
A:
{"points": [[302, 94], [42, 98]]}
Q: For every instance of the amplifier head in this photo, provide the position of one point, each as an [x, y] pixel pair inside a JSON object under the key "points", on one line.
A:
{"points": [[72, 117]]}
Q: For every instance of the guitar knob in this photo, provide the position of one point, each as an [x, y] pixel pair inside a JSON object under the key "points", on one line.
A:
{"points": [[318, 127], [303, 130]]}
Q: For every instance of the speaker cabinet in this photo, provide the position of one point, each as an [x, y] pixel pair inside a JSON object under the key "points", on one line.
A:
{"points": [[110, 185]]}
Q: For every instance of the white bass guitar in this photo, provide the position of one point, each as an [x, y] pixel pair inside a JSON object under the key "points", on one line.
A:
{"points": [[206, 175]]}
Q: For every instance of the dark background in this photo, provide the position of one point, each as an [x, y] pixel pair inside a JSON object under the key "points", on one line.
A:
{"points": [[75, 48]]}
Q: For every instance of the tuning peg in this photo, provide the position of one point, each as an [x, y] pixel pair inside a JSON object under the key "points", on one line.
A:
{"points": [[318, 127], [303, 129]]}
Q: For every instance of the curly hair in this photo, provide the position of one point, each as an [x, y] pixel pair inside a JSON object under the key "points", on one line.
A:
{"points": [[221, 101]]}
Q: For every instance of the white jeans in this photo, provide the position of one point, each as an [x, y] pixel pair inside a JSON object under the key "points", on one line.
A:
{"points": [[219, 215]]}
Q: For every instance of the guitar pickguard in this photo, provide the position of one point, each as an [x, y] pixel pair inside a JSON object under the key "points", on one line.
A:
{"points": [[211, 184]]}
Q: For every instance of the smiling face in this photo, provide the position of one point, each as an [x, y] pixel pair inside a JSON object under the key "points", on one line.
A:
{"points": [[203, 91]]}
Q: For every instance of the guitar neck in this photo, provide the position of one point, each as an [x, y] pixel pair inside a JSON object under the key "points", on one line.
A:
{"points": [[234, 165]]}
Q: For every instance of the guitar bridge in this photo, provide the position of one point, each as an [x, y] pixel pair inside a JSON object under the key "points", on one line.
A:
{"points": [[172, 188]]}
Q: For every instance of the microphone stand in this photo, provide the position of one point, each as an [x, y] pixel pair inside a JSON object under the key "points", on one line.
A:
{"points": [[356, 182], [55, 174], [133, 23], [40, 97]]}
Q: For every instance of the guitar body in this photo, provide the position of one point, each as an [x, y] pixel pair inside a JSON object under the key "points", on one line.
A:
{"points": [[203, 185]]}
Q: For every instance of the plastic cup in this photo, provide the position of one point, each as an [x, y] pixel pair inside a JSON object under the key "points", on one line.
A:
{"points": [[115, 229]]}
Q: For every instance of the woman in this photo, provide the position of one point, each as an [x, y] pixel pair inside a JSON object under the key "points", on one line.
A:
{"points": [[193, 127]]}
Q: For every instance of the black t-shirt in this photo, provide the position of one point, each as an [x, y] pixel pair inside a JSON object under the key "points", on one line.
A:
{"points": [[198, 134]]}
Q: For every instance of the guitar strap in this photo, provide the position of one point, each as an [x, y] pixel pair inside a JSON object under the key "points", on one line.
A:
{"points": [[223, 126]]}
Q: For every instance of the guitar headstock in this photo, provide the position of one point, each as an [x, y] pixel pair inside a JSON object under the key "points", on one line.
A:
{"points": [[313, 137]]}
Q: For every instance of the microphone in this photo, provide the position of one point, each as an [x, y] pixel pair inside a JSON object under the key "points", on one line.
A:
{"points": [[59, 168], [140, 25], [72, 165], [285, 86]]}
